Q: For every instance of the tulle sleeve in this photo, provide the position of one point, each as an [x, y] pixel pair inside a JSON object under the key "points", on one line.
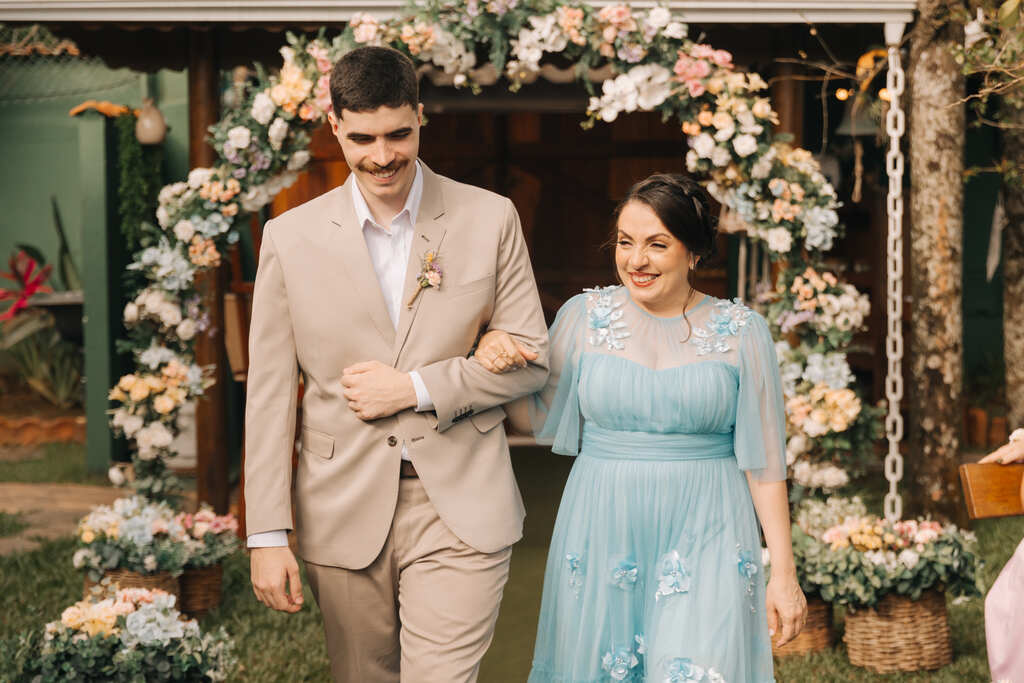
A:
{"points": [[555, 411], [760, 440]]}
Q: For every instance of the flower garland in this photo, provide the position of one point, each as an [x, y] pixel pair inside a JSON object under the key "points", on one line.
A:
{"points": [[262, 143]]}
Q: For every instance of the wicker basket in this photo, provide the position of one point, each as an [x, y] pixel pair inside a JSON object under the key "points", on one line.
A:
{"points": [[900, 634], [128, 579], [817, 634], [201, 590]]}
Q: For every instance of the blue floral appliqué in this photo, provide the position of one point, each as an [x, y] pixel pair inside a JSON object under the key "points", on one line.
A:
{"points": [[674, 577], [683, 670], [726, 320], [624, 574], [748, 569], [576, 573], [604, 318], [620, 662]]}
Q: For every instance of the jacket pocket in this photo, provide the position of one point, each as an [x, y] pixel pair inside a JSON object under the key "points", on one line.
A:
{"points": [[471, 287], [317, 443], [488, 420]]}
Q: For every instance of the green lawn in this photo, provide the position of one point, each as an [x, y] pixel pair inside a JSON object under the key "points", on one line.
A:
{"points": [[35, 586], [11, 525], [61, 462]]}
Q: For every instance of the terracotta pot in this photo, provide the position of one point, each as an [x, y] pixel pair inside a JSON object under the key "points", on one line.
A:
{"points": [[977, 428]]}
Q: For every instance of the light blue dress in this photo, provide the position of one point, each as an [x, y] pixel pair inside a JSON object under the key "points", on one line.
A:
{"points": [[654, 572]]}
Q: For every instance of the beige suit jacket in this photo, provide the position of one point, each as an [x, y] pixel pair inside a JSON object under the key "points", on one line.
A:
{"points": [[318, 308]]}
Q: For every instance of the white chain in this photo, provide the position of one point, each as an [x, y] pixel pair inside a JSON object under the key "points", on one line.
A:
{"points": [[895, 125]]}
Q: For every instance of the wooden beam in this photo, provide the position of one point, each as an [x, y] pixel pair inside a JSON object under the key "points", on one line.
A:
{"points": [[211, 413], [788, 102]]}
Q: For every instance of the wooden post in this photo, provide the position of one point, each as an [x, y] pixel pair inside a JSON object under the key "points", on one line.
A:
{"points": [[788, 101], [211, 432]]}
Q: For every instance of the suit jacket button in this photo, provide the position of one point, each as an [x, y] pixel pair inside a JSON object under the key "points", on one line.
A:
{"points": [[392, 441]]}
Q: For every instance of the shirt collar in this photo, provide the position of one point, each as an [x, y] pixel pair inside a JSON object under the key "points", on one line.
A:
{"points": [[411, 208]]}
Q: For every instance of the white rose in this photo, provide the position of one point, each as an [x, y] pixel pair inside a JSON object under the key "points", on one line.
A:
{"points": [[82, 554], [797, 443], [131, 313], [263, 108], [691, 161], [184, 230], [163, 217], [198, 176], [779, 240], [703, 145], [720, 157], [658, 17], [170, 314], [909, 558], [745, 145], [277, 132], [149, 562], [131, 425], [116, 477], [186, 329], [239, 137], [676, 30], [298, 160]]}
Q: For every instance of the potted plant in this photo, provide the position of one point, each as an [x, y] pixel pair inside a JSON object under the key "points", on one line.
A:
{"points": [[210, 538], [132, 634], [892, 576], [134, 542]]}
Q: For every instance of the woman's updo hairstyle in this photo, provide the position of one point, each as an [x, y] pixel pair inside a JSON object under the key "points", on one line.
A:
{"points": [[682, 206]]}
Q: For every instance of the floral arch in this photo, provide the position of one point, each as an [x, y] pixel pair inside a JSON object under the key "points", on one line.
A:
{"points": [[647, 63]]}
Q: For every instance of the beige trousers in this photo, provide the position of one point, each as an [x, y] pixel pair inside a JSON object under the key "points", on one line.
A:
{"points": [[424, 611]]}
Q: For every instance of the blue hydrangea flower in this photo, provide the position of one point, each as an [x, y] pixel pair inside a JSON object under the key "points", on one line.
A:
{"points": [[619, 662], [674, 577], [624, 574]]}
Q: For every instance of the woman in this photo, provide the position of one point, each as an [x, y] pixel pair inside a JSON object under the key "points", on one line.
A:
{"points": [[1004, 620], [673, 402]]}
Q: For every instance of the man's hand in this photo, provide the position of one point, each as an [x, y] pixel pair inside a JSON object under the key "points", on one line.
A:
{"points": [[375, 390], [275, 578]]}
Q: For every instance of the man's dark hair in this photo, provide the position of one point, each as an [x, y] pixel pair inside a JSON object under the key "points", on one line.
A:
{"points": [[368, 78]]}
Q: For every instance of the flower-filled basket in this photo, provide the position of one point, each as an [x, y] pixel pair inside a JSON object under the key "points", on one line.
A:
{"points": [[132, 543], [210, 539], [133, 634], [892, 577]]}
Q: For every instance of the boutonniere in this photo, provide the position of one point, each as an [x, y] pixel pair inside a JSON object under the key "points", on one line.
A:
{"points": [[430, 275]]}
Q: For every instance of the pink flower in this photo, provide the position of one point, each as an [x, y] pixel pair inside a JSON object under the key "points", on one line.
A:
{"points": [[703, 52], [722, 58], [159, 526], [434, 278], [696, 88]]}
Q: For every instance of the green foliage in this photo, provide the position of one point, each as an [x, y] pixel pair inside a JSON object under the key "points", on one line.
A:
{"points": [[61, 462], [11, 524], [139, 168], [51, 366]]}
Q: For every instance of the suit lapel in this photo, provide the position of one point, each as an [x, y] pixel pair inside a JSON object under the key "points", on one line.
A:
{"points": [[428, 236], [355, 258]]}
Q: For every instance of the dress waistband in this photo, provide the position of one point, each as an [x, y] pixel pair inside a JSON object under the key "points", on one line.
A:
{"points": [[599, 442]]}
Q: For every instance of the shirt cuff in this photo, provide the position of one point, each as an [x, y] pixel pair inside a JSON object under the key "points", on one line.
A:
{"points": [[268, 539], [423, 401]]}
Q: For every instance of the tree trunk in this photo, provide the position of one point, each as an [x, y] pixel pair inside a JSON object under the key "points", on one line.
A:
{"points": [[935, 379], [1013, 274]]}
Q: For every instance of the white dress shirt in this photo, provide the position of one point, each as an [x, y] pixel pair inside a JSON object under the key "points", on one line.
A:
{"points": [[389, 251]]}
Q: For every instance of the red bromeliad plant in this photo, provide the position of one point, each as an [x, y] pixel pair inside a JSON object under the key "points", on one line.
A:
{"points": [[23, 271]]}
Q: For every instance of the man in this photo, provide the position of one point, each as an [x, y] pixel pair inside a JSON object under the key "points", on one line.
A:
{"points": [[405, 500]]}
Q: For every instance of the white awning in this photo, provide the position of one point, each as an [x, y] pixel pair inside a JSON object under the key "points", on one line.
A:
{"points": [[338, 11]]}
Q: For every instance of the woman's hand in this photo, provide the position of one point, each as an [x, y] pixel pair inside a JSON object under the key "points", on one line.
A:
{"points": [[1011, 452], [786, 606], [499, 353]]}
